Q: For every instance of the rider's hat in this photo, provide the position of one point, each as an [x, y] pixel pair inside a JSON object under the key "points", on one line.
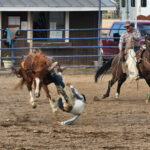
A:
{"points": [[127, 23]]}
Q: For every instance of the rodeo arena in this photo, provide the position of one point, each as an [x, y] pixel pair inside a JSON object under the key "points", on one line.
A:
{"points": [[74, 75]]}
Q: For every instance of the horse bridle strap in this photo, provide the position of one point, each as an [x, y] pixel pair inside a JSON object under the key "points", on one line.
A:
{"points": [[145, 61], [139, 55]]}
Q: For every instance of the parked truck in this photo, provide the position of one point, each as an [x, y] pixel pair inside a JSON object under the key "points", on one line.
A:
{"points": [[113, 36]]}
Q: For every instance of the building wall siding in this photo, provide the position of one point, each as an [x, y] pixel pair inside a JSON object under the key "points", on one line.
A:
{"points": [[78, 20]]}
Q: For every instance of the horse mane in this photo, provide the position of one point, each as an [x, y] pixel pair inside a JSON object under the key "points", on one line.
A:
{"points": [[41, 59], [129, 44], [37, 61]]}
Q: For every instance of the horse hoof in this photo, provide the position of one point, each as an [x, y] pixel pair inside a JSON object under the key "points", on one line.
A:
{"points": [[146, 101], [34, 106], [105, 96], [116, 96]]}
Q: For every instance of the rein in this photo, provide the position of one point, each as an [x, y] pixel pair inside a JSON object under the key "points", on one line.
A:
{"points": [[144, 60], [139, 56]]}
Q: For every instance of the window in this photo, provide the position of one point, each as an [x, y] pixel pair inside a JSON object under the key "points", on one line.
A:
{"points": [[56, 21], [132, 3], [14, 20], [113, 32], [49, 20], [123, 3], [143, 3], [40, 21]]}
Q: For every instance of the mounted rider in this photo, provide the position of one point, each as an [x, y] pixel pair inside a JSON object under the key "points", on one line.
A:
{"points": [[130, 35]]}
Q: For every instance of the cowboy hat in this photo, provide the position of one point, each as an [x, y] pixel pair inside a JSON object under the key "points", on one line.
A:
{"points": [[127, 23]]}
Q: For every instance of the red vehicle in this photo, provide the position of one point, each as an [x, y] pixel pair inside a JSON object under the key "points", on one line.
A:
{"points": [[119, 29]]}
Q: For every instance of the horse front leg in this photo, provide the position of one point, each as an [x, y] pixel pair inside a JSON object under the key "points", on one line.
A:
{"points": [[120, 82], [32, 100], [51, 101], [110, 84]]}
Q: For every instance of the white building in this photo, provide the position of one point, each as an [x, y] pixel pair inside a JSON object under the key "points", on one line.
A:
{"points": [[130, 9]]}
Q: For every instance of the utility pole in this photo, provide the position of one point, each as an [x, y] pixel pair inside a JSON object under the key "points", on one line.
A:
{"points": [[136, 9], [127, 10], [99, 35]]}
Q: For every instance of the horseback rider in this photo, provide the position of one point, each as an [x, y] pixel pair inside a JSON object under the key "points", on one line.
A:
{"points": [[133, 33], [76, 104]]}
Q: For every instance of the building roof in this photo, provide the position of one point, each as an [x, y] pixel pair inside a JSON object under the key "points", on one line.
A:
{"points": [[56, 5]]}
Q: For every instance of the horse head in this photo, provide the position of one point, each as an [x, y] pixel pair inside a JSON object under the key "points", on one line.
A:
{"points": [[40, 65]]}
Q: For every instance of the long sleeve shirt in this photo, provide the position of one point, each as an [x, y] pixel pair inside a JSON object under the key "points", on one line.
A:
{"points": [[125, 36], [70, 121]]}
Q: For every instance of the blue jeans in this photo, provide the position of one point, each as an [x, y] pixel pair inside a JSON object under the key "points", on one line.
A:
{"points": [[57, 80]]}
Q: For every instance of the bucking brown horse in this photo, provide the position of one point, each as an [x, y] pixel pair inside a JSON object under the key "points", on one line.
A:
{"points": [[34, 69], [117, 69]]}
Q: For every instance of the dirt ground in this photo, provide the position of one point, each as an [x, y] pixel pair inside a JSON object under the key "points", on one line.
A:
{"points": [[108, 124]]}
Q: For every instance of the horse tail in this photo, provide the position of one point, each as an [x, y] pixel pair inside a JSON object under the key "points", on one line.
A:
{"points": [[103, 69], [19, 84]]}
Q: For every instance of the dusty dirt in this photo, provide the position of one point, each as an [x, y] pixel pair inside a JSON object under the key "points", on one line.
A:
{"points": [[108, 124]]}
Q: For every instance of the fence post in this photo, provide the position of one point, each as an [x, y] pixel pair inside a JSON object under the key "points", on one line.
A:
{"points": [[67, 26], [1, 39], [99, 35], [30, 33], [12, 53]]}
